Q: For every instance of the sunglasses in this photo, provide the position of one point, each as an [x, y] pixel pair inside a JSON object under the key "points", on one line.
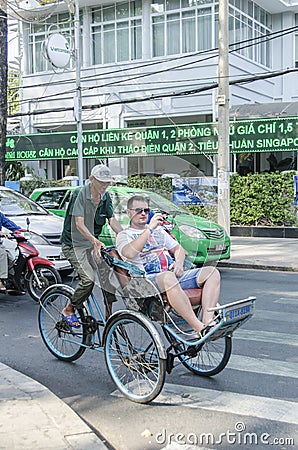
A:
{"points": [[140, 210]]}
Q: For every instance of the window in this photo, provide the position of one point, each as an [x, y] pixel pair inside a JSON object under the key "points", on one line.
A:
{"points": [[38, 34], [181, 26], [186, 26], [248, 26], [116, 32]]}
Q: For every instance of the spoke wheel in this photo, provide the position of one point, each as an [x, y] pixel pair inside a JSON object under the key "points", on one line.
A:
{"points": [[208, 359], [132, 358], [47, 276], [62, 341]]}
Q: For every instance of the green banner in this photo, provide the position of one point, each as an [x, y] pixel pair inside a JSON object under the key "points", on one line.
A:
{"points": [[258, 135]]}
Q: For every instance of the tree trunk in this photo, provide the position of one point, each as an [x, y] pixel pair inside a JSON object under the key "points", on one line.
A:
{"points": [[3, 90]]}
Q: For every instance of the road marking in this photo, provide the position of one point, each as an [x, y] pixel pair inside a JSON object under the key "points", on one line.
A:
{"points": [[230, 402], [227, 402], [286, 300], [262, 366], [274, 315], [267, 336]]}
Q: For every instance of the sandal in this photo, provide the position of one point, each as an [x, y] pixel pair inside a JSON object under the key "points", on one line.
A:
{"points": [[205, 331], [71, 320]]}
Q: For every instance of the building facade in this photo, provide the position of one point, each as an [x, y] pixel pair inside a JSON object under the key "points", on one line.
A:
{"points": [[155, 63]]}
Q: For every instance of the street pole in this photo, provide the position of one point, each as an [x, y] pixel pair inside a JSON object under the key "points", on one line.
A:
{"points": [[3, 88], [78, 97], [223, 117]]}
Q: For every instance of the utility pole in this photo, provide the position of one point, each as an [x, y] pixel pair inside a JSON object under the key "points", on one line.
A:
{"points": [[3, 87], [223, 117], [78, 98]]}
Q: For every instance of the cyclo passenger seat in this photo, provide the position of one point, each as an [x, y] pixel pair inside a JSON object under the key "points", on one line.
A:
{"points": [[139, 291]]}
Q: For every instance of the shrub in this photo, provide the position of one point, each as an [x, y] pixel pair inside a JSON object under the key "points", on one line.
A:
{"points": [[255, 199], [262, 199]]}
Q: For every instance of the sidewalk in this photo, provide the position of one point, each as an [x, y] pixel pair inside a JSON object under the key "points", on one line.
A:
{"points": [[263, 253], [32, 417]]}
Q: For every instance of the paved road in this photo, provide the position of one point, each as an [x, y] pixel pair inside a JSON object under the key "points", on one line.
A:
{"points": [[255, 391]]}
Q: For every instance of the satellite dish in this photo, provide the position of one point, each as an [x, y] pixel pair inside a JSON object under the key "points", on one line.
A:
{"points": [[58, 50]]}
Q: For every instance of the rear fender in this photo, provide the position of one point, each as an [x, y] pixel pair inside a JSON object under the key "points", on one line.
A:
{"points": [[57, 289], [146, 321], [36, 260]]}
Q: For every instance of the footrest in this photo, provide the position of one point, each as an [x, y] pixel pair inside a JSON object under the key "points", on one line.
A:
{"points": [[230, 317], [235, 312]]}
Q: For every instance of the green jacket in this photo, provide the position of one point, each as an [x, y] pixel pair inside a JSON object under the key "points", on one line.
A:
{"points": [[81, 205]]}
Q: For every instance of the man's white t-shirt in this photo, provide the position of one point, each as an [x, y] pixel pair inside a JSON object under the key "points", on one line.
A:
{"points": [[155, 257]]}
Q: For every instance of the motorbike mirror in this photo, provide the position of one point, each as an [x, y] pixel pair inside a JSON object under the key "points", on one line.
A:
{"points": [[28, 223]]}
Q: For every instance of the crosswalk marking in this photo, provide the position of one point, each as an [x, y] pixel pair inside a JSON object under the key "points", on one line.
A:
{"points": [[263, 366], [230, 402], [265, 408], [287, 300], [227, 402], [267, 336], [274, 315]]}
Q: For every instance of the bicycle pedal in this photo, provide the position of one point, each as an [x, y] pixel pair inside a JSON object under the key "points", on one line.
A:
{"points": [[170, 362], [88, 340]]}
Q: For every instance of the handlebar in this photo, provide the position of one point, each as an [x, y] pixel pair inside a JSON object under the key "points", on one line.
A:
{"points": [[15, 235]]}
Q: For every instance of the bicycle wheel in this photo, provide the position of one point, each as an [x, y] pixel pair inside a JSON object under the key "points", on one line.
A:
{"points": [[46, 275], [61, 340], [132, 357], [208, 359]]}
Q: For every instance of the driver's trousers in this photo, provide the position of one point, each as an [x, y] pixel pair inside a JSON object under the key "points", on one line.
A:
{"points": [[79, 259]]}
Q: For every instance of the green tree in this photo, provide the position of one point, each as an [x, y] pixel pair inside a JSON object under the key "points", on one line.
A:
{"points": [[13, 90]]}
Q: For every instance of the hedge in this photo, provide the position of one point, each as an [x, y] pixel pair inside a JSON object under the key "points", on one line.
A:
{"points": [[265, 199], [256, 199]]}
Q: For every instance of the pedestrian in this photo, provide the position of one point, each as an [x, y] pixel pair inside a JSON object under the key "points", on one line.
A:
{"points": [[11, 226], [150, 247], [89, 208]]}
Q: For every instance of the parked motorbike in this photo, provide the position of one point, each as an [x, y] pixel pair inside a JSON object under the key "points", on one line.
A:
{"points": [[26, 270]]}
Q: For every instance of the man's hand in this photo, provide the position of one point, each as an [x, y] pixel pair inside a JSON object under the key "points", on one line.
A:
{"points": [[177, 268], [156, 220], [97, 246], [5, 234]]}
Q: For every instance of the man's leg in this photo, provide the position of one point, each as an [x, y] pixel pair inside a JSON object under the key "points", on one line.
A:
{"points": [[209, 279], [167, 282], [3, 266], [79, 260]]}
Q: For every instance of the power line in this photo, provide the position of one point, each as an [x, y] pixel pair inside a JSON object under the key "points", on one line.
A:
{"points": [[238, 46], [245, 44], [157, 96]]}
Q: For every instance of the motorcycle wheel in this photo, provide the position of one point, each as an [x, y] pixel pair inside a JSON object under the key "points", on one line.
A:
{"points": [[47, 276]]}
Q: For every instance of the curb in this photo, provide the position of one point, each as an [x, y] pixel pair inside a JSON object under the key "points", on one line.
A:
{"points": [[258, 267], [34, 417]]}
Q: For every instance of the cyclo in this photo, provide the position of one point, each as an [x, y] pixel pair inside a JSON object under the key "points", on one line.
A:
{"points": [[136, 354]]}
